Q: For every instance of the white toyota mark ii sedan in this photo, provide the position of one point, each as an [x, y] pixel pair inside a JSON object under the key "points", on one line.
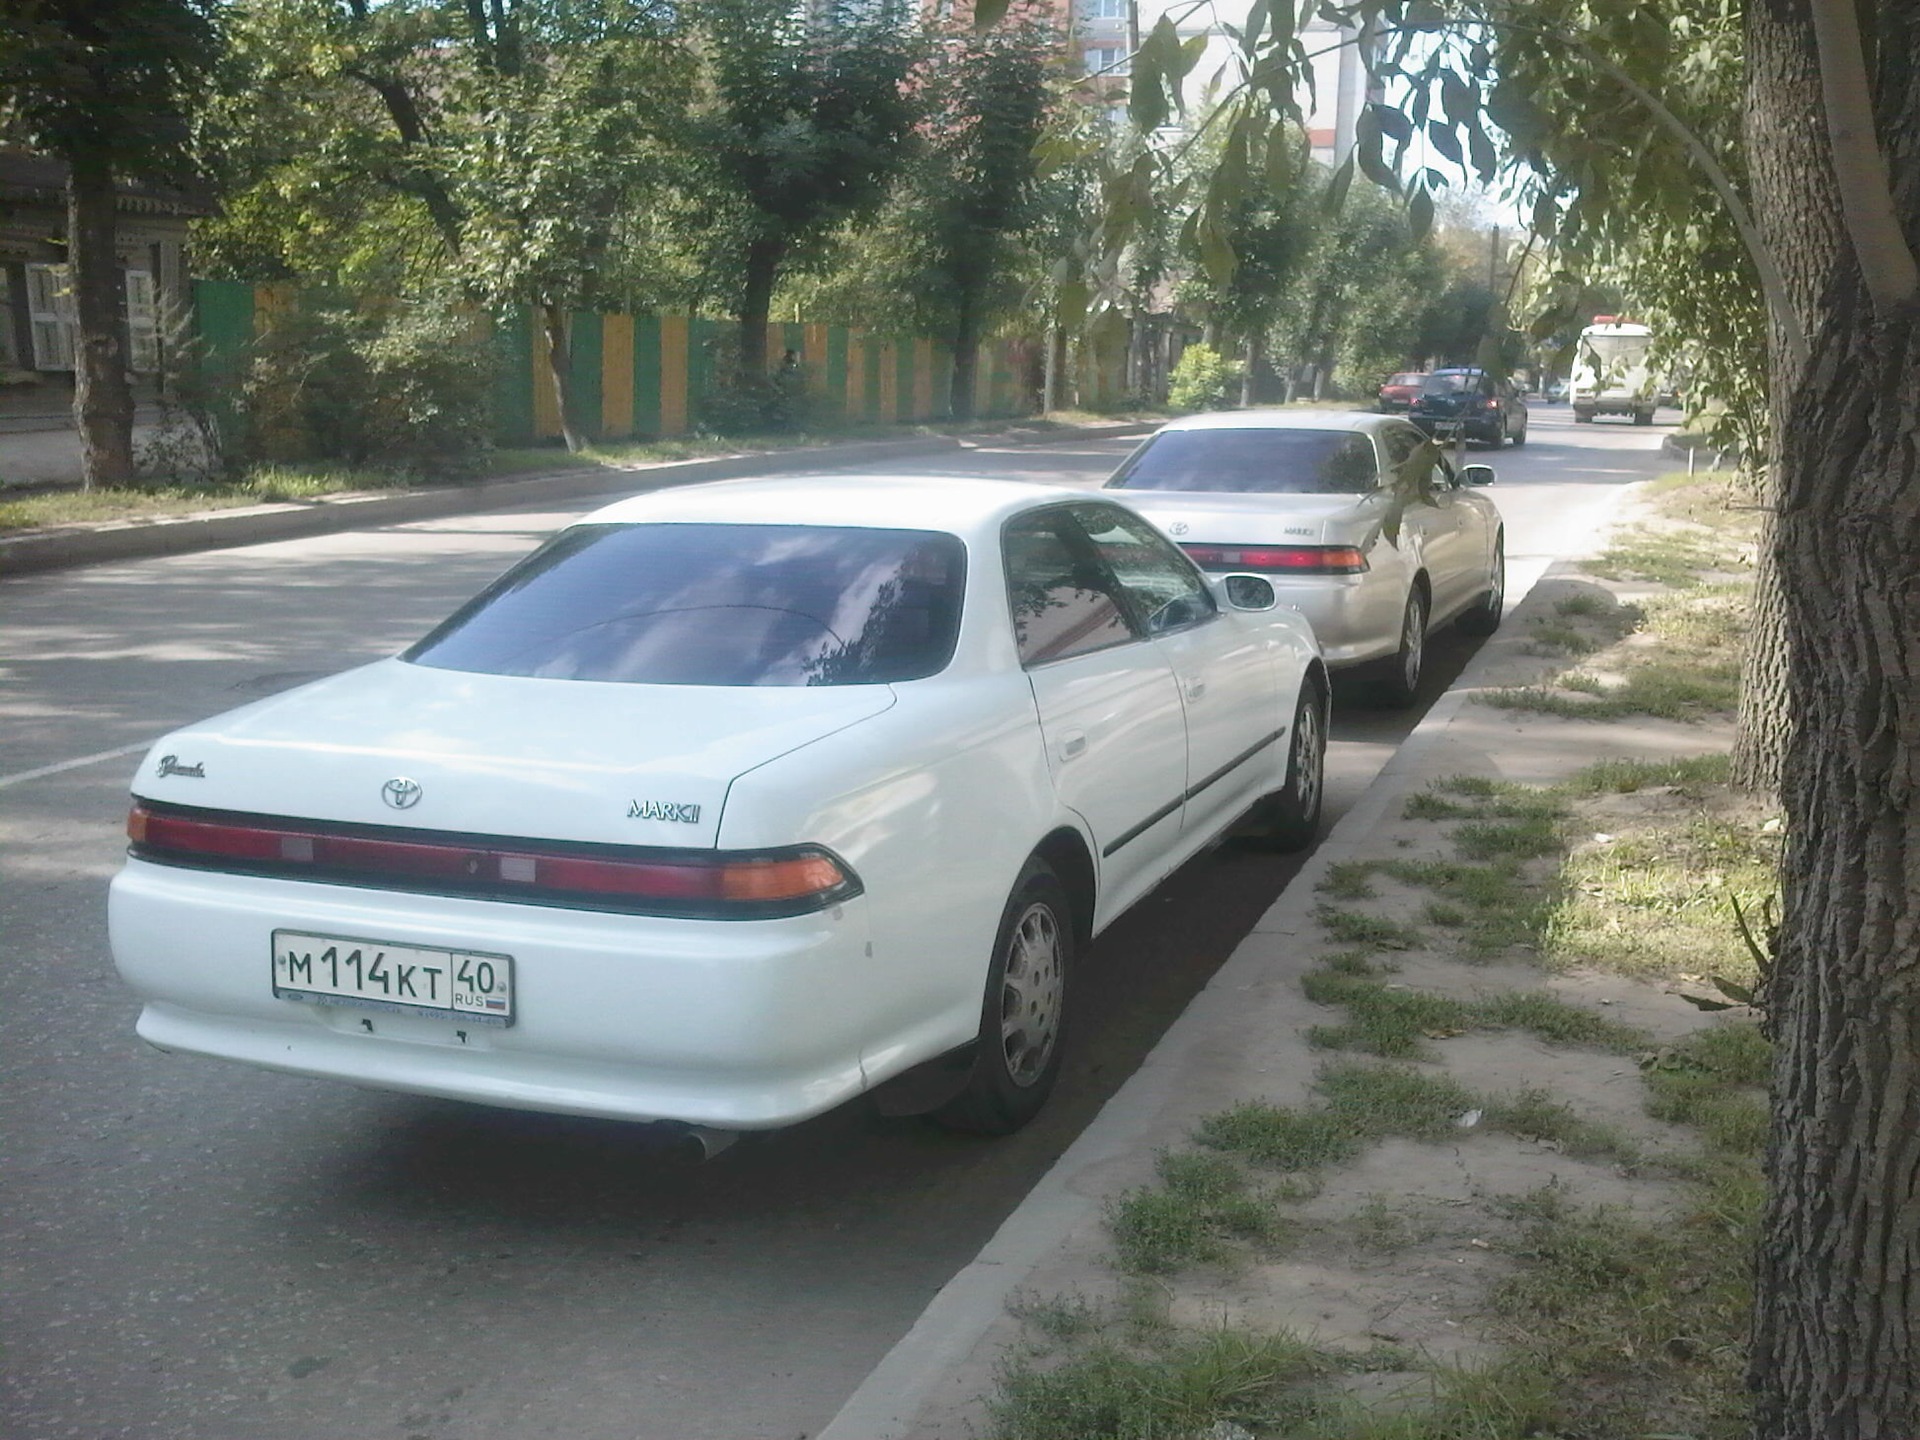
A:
{"points": [[1300, 496], [724, 806]]}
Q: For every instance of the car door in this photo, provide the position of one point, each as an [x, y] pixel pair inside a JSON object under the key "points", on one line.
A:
{"points": [[1107, 700], [1446, 529], [1228, 674]]}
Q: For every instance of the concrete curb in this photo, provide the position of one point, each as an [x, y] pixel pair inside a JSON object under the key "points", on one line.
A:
{"points": [[257, 524], [1070, 1197]]}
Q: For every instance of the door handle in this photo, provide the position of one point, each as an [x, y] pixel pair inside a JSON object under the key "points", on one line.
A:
{"points": [[1072, 745]]}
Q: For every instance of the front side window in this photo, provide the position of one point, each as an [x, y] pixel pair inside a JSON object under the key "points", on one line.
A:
{"points": [[1165, 588], [1063, 600], [1271, 461], [715, 605]]}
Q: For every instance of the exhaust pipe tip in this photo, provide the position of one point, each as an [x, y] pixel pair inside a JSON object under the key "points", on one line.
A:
{"points": [[702, 1143]]}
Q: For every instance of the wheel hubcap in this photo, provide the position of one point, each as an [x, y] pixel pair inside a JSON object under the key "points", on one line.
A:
{"points": [[1030, 993], [1307, 753], [1413, 638]]}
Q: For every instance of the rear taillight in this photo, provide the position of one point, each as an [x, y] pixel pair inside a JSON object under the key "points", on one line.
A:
{"points": [[697, 883], [1280, 559]]}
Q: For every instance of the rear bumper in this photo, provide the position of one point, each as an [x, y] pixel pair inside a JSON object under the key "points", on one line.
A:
{"points": [[1612, 404], [738, 1025], [1353, 617]]}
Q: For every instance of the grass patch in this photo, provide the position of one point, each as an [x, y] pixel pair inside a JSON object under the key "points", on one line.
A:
{"points": [[1562, 639], [1625, 777], [1637, 1326], [1203, 1202], [1662, 557], [1347, 881], [1587, 605], [1181, 1389], [1536, 1115], [1656, 899], [1507, 839], [1715, 1081], [1395, 1022], [1371, 932], [269, 484], [1502, 910]]}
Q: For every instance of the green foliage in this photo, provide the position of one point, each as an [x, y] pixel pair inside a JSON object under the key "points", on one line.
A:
{"points": [[1202, 380], [408, 388]]}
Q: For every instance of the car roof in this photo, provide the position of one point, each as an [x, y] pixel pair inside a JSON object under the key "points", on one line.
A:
{"points": [[957, 503], [1292, 419]]}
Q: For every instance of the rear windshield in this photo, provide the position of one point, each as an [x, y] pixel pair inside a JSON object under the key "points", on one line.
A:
{"points": [[1451, 383], [1298, 462], [715, 605]]}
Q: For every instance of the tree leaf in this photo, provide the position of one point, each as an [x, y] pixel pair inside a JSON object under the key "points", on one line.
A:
{"points": [[1420, 212], [988, 13], [1337, 187], [1440, 135]]}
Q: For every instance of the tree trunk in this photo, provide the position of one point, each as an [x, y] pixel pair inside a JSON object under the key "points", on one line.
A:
{"points": [[756, 300], [1251, 354], [1791, 172], [560, 368], [1050, 373], [102, 398], [966, 359], [1836, 1350], [1836, 1344]]}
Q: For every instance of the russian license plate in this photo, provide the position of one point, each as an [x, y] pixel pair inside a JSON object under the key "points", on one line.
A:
{"points": [[335, 970]]}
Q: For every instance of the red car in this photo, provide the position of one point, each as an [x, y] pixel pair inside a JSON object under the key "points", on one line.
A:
{"points": [[1399, 391]]}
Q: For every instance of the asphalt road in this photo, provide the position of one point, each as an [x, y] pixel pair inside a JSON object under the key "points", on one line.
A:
{"points": [[191, 1249]]}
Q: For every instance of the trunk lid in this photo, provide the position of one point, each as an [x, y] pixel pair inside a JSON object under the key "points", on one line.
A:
{"points": [[406, 745], [1219, 517]]}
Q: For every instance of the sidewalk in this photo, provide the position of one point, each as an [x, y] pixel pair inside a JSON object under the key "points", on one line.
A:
{"points": [[1245, 1039], [87, 544]]}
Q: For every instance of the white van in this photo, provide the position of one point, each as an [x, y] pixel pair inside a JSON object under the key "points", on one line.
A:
{"points": [[1610, 372]]}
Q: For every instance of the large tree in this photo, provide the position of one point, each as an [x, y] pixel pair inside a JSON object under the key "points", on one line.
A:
{"points": [[802, 123], [1832, 234], [110, 87]]}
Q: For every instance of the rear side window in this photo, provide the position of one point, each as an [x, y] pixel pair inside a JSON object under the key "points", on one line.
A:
{"points": [[1296, 462], [1063, 599], [715, 605]]}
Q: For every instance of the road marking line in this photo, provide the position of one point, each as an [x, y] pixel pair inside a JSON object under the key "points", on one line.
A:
{"points": [[46, 770]]}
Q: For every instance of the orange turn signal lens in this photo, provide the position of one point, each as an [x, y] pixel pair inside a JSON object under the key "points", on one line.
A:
{"points": [[789, 878]]}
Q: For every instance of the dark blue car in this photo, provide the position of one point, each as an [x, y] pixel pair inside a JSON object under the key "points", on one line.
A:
{"points": [[1468, 401]]}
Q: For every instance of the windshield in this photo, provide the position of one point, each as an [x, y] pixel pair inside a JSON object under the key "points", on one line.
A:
{"points": [[715, 605], [1296, 462]]}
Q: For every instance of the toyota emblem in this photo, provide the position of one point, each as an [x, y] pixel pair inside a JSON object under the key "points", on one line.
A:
{"points": [[1178, 527], [401, 793]]}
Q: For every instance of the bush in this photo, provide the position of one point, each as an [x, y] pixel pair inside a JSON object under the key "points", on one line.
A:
{"points": [[1201, 380], [777, 404], [407, 388]]}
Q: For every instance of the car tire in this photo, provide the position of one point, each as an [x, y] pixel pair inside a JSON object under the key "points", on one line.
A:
{"points": [[1643, 417], [1521, 438], [1023, 1017], [1289, 819], [1583, 418], [1497, 434], [1484, 617], [1399, 683]]}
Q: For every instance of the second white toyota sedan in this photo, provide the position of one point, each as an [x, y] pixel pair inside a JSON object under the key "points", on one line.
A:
{"points": [[1302, 496], [726, 805]]}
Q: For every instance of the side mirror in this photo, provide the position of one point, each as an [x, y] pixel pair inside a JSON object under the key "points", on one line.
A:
{"points": [[1249, 592], [1477, 475]]}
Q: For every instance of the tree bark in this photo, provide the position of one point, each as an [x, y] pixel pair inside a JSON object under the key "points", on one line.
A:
{"points": [[756, 300], [966, 360], [1791, 172], [102, 398], [1836, 1344], [560, 368]]}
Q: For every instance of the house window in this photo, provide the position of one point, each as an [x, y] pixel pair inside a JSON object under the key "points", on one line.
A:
{"points": [[50, 310], [1108, 60], [9, 352], [143, 323], [1104, 9]]}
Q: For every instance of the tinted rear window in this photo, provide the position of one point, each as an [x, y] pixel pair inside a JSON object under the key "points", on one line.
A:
{"points": [[1451, 382], [715, 605], [1298, 462]]}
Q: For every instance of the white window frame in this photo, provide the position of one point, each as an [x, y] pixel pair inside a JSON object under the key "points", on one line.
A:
{"points": [[53, 315], [1103, 9], [143, 323], [1109, 62]]}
